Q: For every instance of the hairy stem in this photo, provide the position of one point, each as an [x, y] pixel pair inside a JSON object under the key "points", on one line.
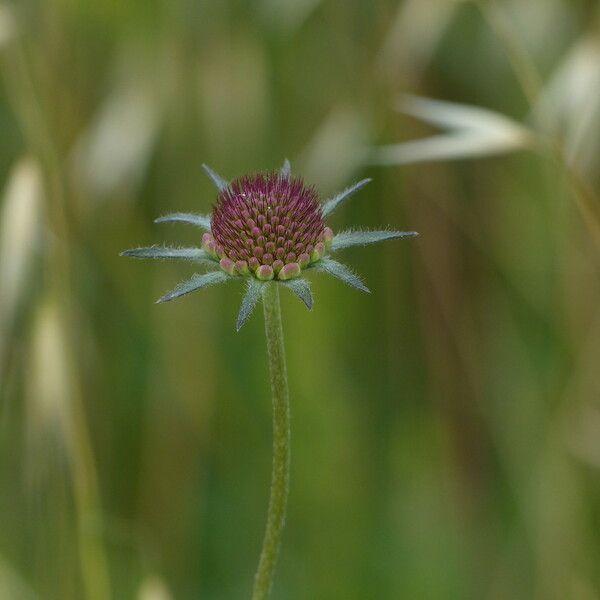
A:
{"points": [[280, 477]]}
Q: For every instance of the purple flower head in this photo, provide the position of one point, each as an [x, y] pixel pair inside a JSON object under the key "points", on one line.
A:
{"points": [[268, 229], [269, 225]]}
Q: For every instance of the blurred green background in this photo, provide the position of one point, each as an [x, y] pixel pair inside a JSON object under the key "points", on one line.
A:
{"points": [[445, 429]]}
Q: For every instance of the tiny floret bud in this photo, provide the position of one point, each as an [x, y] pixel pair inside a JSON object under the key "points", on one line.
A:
{"points": [[290, 271], [253, 263], [227, 265], [303, 260], [209, 244], [327, 237], [241, 266], [318, 252], [264, 272]]}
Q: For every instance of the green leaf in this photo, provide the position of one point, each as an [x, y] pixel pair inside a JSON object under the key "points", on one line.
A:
{"points": [[301, 288], [334, 202], [345, 239], [201, 221], [216, 179], [251, 298], [341, 272], [196, 282], [168, 253]]}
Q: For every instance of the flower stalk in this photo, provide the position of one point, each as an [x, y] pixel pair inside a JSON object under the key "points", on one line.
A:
{"points": [[269, 231], [280, 478]]}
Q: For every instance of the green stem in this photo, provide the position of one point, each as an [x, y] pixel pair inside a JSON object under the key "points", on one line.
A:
{"points": [[280, 478]]}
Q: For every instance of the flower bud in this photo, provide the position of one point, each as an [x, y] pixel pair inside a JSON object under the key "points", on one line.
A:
{"points": [[328, 237], [318, 252], [241, 266], [267, 225], [264, 272], [227, 265], [289, 271]]}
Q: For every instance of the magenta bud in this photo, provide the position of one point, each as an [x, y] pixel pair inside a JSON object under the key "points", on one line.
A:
{"points": [[318, 252], [253, 263], [264, 272], [289, 271], [269, 218], [327, 237], [304, 260], [209, 244], [227, 265], [241, 266], [277, 264]]}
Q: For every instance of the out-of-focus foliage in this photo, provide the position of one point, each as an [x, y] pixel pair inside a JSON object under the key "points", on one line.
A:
{"points": [[446, 428]]}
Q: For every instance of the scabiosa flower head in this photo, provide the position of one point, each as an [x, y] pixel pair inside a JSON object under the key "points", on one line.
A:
{"points": [[268, 229], [268, 225]]}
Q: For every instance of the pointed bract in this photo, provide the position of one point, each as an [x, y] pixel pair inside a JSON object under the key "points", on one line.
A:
{"points": [[343, 273], [286, 169], [168, 253], [301, 288], [196, 282], [332, 204], [345, 239], [201, 221], [216, 179], [251, 297]]}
